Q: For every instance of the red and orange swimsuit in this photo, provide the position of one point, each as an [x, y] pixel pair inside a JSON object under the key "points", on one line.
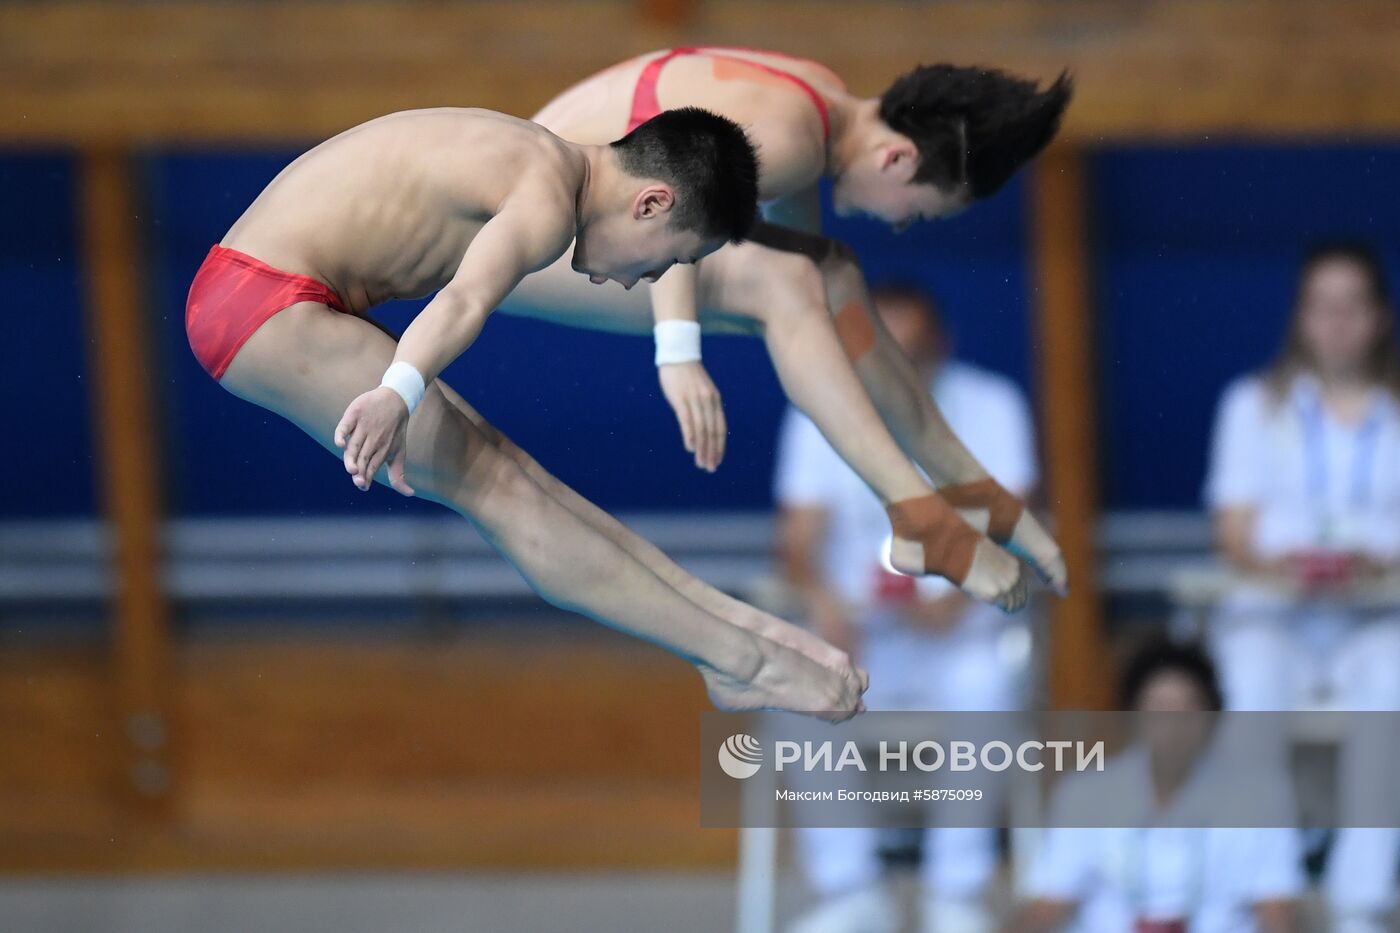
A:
{"points": [[645, 105]]}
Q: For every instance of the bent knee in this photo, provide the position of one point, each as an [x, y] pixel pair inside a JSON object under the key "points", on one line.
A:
{"points": [[449, 456], [843, 279], [752, 280], [787, 286]]}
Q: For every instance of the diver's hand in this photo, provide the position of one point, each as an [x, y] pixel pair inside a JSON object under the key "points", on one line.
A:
{"points": [[372, 432], [699, 411]]}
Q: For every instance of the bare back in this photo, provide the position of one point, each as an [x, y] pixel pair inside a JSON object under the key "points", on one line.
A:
{"points": [[739, 84], [387, 209]]}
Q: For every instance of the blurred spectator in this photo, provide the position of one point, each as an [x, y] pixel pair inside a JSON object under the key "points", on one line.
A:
{"points": [[926, 646], [1162, 879], [1304, 485]]}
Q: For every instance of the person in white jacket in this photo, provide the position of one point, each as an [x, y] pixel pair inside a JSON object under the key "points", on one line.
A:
{"points": [[924, 644], [1304, 489], [1171, 874]]}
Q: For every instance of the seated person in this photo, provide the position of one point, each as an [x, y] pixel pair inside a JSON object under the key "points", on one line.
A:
{"points": [[925, 644], [1171, 875], [1304, 486]]}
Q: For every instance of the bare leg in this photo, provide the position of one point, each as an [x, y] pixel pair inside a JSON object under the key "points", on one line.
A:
{"points": [[708, 598], [789, 296], [781, 294], [786, 292], [916, 422], [714, 601], [745, 289], [308, 363], [906, 406]]}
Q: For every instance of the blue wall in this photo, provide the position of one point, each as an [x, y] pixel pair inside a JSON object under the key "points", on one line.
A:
{"points": [[43, 369], [1197, 250], [1197, 254]]}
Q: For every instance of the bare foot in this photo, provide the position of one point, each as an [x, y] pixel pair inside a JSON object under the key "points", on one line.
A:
{"points": [[789, 680]]}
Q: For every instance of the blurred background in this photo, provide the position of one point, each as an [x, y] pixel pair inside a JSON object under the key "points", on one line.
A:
{"points": [[234, 691]]}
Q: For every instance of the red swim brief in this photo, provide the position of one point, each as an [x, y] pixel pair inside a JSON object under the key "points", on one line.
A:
{"points": [[232, 295]]}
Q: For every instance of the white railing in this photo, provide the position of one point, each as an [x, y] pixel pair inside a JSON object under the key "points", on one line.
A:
{"points": [[353, 557], [328, 558]]}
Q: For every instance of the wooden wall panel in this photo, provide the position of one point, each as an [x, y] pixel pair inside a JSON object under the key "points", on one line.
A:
{"points": [[201, 70], [570, 751]]}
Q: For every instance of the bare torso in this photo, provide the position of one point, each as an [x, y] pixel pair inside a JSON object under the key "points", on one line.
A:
{"points": [[387, 209], [779, 117]]}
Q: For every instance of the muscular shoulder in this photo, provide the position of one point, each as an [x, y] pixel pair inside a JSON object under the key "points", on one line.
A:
{"points": [[531, 167], [542, 202], [467, 143], [529, 149]]}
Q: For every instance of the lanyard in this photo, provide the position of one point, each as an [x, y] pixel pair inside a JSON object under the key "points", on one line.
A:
{"points": [[1315, 455]]}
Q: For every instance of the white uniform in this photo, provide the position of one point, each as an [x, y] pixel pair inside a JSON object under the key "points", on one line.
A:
{"points": [[1211, 878], [1316, 485], [910, 669]]}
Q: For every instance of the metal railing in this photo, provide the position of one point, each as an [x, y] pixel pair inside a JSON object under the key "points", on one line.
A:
{"points": [[258, 558]]}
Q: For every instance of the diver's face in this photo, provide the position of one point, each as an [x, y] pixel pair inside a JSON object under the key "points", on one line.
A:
{"points": [[640, 242], [881, 185], [628, 253]]}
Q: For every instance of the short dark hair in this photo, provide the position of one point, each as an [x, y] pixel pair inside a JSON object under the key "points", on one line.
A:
{"points": [[977, 125], [1163, 656], [707, 159]]}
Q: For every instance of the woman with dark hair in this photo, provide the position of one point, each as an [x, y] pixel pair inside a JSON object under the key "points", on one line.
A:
{"points": [[1304, 487], [1173, 867]]}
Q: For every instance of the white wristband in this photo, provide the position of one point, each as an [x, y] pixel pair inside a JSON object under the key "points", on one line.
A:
{"points": [[677, 342], [404, 379]]}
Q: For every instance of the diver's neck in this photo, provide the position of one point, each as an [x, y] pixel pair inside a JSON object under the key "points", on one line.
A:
{"points": [[852, 120], [598, 186]]}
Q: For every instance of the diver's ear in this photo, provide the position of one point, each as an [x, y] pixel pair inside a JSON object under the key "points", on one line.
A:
{"points": [[653, 201], [900, 155]]}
